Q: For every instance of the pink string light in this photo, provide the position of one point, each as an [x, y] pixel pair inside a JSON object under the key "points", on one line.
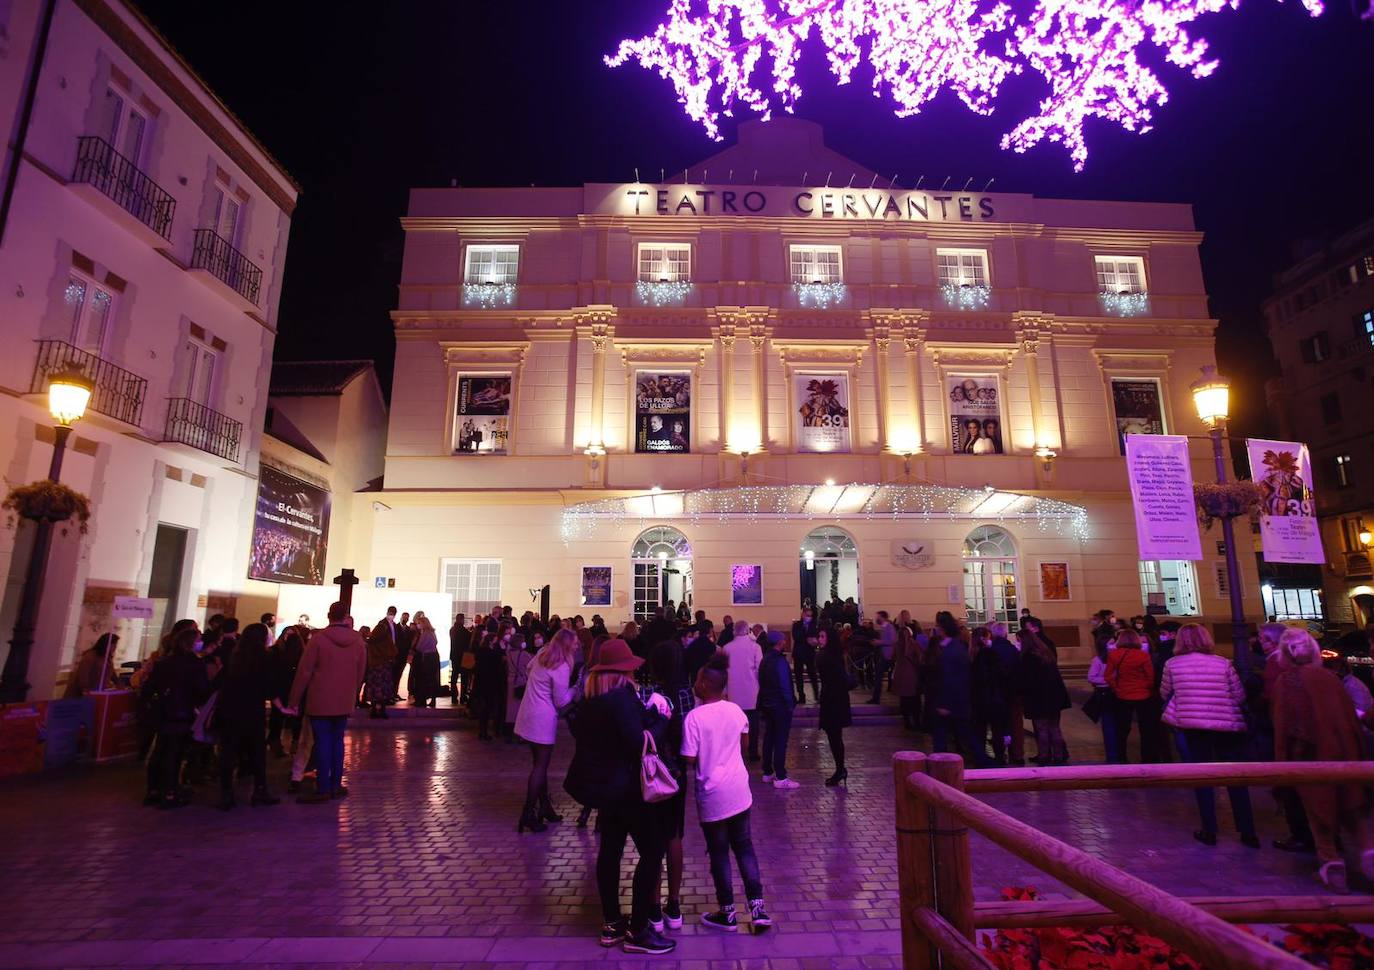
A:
{"points": [[720, 54]]}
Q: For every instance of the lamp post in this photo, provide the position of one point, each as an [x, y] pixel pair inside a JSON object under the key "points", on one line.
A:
{"points": [[68, 394], [1212, 398]]}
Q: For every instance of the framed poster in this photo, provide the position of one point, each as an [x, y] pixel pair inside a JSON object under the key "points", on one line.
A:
{"points": [[975, 415], [1054, 582], [663, 412], [290, 530], [746, 585], [481, 423], [822, 412], [596, 585], [1138, 407]]}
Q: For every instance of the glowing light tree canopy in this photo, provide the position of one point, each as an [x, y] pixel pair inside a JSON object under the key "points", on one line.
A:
{"points": [[720, 54]]}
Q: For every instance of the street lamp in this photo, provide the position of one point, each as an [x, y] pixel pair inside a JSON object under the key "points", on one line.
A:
{"points": [[68, 394], [1212, 397]]}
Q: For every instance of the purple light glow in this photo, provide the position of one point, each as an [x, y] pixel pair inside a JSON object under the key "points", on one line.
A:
{"points": [[1086, 50]]}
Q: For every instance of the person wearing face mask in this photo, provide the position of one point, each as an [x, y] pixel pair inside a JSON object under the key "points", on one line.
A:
{"points": [[1101, 707]]}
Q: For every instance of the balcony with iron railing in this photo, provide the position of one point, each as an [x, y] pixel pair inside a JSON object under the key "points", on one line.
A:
{"points": [[117, 394], [213, 255], [192, 423], [116, 184]]}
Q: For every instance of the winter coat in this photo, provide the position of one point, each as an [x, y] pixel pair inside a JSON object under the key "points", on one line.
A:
{"points": [[1201, 692], [834, 699], [905, 676], [177, 685], [995, 675], [609, 733], [1314, 720], [775, 683], [1042, 687], [1130, 673], [546, 690], [802, 651], [332, 669], [954, 685]]}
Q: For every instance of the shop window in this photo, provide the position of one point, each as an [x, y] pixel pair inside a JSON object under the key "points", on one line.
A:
{"points": [[816, 264], [1293, 604], [1169, 586], [474, 584], [1315, 348], [492, 264], [1331, 408]]}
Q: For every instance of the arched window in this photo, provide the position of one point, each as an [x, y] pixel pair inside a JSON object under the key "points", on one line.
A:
{"points": [[662, 570], [829, 567], [830, 542], [990, 591], [661, 542]]}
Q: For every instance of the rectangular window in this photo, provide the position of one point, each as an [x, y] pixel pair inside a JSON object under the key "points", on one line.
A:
{"points": [[1345, 474], [816, 264], [1315, 348], [492, 264], [1120, 274], [124, 125], [202, 368], [962, 267], [1295, 604], [1331, 408], [1350, 533], [665, 263], [1364, 325], [92, 310], [1169, 587], [474, 584], [228, 214]]}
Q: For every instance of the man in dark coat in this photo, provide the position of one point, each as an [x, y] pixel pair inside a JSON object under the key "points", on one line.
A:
{"points": [[459, 639], [1001, 662], [699, 650], [804, 632], [657, 630], [404, 636], [775, 704]]}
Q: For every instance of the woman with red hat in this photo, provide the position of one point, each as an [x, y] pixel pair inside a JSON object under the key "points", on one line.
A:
{"points": [[608, 729]]}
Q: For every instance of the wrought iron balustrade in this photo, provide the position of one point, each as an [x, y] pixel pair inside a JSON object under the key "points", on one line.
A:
{"points": [[118, 393], [192, 423], [213, 254], [99, 165]]}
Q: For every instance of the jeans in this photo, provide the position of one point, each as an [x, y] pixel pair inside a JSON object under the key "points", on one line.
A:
{"points": [[777, 724], [1204, 746], [1122, 713], [646, 829], [752, 716], [1107, 722], [329, 750], [732, 834], [301, 750], [800, 667]]}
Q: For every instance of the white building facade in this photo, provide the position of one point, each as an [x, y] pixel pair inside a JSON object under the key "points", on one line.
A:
{"points": [[143, 244], [777, 379]]}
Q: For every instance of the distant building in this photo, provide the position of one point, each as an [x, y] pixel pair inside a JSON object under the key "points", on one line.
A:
{"points": [[779, 379], [1321, 325], [142, 238]]}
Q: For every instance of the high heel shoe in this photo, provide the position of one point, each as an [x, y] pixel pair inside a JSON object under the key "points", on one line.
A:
{"points": [[840, 777], [529, 819], [547, 814]]}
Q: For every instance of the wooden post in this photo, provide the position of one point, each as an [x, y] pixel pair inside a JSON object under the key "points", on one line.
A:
{"points": [[953, 869], [915, 868]]}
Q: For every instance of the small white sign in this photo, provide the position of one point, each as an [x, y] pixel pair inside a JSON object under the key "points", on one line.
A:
{"points": [[132, 608]]}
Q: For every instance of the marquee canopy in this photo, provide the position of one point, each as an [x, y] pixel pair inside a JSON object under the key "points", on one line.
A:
{"points": [[854, 500]]}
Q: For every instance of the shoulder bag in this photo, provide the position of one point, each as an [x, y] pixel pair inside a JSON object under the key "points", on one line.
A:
{"points": [[656, 782]]}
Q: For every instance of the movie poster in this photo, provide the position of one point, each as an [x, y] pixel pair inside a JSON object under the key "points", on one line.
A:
{"points": [[482, 422], [975, 415], [290, 530], [746, 585], [822, 412], [1054, 582], [663, 413], [1138, 409], [596, 585], [1288, 514]]}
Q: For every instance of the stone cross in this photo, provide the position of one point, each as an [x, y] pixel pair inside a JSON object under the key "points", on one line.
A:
{"points": [[346, 581]]}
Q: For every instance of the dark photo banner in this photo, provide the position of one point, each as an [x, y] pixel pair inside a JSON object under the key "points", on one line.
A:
{"points": [[290, 530]]}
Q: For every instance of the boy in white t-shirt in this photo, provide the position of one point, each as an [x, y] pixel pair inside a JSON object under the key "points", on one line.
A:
{"points": [[714, 736]]}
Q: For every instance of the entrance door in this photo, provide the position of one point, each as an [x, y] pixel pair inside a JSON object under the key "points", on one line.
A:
{"points": [[661, 561], [990, 591], [164, 585], [829, 567]]}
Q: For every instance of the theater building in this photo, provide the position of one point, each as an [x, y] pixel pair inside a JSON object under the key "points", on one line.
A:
{"points": [[778, 378]]}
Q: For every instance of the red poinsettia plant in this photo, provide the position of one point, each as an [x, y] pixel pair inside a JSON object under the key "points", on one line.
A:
{"points": [[47, 501]]}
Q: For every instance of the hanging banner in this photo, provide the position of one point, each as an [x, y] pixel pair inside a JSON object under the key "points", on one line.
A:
{"points": [[975, 415], [290, 530], [1162, 493], [482, 423], [1288, 514], [1138, 408], [822, 412], [663, 413]]}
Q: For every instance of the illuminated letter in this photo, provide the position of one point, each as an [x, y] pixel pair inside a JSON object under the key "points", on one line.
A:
{"points": [[663, 202], [797, 203]]}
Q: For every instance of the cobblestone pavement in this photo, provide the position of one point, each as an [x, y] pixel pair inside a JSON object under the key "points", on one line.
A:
{"points": [[422, 866]]}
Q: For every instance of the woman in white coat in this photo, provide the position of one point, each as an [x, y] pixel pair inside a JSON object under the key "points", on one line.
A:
{"points": [[548, 690]]}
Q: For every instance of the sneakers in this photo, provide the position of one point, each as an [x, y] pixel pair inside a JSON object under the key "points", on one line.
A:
{"points": [[768, 779], [656, 921], [786, 784], [613, 934], [648, 940], [721, 920], [672, 915], [758, 916]]}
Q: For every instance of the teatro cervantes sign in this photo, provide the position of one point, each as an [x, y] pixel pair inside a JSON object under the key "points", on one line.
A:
{"points": [[875, 205]]}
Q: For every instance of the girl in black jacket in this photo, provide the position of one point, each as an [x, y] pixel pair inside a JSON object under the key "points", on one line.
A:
{"points": [[245, 688], [835, 715]]}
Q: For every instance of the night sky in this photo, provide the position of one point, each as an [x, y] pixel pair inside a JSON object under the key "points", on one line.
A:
{"points": [[361, 103]]}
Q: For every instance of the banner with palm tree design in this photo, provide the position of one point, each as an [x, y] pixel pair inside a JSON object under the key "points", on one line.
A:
{"points": [[822, 412]]}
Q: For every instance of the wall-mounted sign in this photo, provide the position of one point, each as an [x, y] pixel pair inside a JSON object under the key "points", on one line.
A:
{"points": [[132, 608], [975, 415], [1138, 408], [822, 418], [663, 412], [596, 585], [1288, 514], [290, 530], [913, 553], [482, 421], [1161, 478], [843, 204], [746, 585]]}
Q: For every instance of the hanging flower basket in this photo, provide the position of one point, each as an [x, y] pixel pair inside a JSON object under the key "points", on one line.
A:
{"points": [[1226, 500], [47, 501]]}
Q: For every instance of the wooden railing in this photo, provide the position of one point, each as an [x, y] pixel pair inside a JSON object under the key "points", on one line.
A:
{"points": [[935, 812]]}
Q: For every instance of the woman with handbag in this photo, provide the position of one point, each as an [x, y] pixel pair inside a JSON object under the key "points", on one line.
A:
{"points": [[548, 691], [1100, 707], [609, 731], [836, 683]]}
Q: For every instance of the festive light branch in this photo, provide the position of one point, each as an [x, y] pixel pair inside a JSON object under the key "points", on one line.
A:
{"points": [[719, 54]]}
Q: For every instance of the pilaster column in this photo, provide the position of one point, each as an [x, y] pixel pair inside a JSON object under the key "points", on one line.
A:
{"points": [[913, 343], [600, 339], [1030, 345], [758, 337], [726, 336], [882, 343]]}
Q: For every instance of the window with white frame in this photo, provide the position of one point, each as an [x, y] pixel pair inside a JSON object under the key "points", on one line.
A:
{"points": [[1345, 474], [492, 264], [665, 263], [124, 125], [92, 312], [228, 218], [203, 364], [816, 264], [1170, 586], [962, 267], [474, 584], [1120, 274]]}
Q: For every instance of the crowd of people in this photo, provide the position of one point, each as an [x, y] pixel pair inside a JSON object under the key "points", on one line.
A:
{"points": [[653, 706]]}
